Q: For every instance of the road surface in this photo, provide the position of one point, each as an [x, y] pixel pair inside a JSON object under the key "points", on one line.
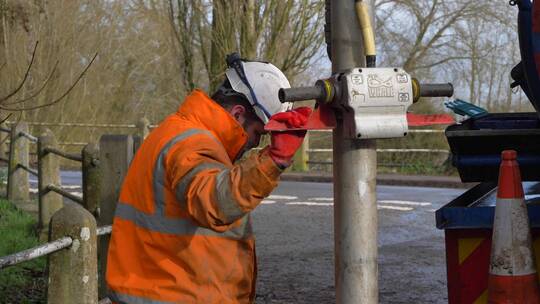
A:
{"points": [[295, 247]]}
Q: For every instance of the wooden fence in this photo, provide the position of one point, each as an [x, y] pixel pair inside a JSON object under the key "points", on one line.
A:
{"points": [[78, 233], [308, 157]]}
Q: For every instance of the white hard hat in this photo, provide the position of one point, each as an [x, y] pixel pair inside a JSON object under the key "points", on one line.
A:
{"points": [[265, 81]]}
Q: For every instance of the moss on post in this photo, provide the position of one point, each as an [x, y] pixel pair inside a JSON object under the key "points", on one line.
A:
{"points": [[18, 184], [91, 174], [48, 174]]}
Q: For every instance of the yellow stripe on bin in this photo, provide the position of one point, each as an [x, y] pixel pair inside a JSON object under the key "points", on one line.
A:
{"points": [[467, 246], [482, 299]]}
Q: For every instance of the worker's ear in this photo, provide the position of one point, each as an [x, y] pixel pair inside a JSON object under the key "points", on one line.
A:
{"points": [[238, 112]]}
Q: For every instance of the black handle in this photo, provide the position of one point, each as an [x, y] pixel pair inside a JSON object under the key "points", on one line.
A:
{"points": [[436, 90], [304, 93]]}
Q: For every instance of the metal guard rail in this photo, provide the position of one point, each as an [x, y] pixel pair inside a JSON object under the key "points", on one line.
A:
{"points": [[29, 136], [44, 249], [75, 157], [29, 170], [64, 193]]}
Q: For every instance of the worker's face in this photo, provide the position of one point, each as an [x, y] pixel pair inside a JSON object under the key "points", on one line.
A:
{"points": [[252, 125], [254, 129]]}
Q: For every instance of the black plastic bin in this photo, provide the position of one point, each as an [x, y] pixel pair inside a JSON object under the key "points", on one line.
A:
{"points": [[476, 145]]}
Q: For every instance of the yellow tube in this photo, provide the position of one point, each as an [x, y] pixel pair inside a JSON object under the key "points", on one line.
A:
{"points": [[362, 12], [416, 90]]}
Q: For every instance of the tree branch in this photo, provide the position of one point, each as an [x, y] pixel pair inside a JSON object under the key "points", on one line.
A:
{"points": [[21, 84], [61, 96]]}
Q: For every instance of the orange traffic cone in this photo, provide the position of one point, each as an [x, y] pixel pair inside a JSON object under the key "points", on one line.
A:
{"points": [[512, 272]]}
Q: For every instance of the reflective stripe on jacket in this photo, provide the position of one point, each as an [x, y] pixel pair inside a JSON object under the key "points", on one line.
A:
{"points": [[182, 230]]}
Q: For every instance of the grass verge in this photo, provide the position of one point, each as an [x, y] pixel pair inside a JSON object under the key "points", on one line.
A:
{"points": [[26, 282]]}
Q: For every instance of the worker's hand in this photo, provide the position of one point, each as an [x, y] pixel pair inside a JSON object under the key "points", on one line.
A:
{"points": [[285, 143]]}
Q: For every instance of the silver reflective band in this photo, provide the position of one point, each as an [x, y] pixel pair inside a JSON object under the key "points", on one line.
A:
{"points": [[159, 169], [129, 299], [225, 200], [178, 226], [183, 185]]}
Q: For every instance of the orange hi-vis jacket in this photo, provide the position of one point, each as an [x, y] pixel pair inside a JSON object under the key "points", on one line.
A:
{"points": [[182, 230]]}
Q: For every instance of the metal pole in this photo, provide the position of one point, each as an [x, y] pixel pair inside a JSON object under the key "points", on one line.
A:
{"points": [[355, 170]]}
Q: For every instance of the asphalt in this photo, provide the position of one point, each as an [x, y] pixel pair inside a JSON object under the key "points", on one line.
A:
{"points": [[387, 179]]}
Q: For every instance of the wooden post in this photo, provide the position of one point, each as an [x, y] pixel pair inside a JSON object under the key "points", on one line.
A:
{"points": [[73, 271], [301, 157], [3, 143], [143, 129], [91, 178], [18, 184], [48, 174], [116, 152]]}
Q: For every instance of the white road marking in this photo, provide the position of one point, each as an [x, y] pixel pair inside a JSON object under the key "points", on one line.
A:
{"points": [[398, 208], [395, 202], [330, 199], [268, 202], [391, 202], [284, 197], [394, 208], [310, 204], [71, 187]]}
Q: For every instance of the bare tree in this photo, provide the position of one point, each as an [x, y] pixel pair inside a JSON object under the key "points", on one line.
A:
{"points": [[287, 33], [469, 43]]}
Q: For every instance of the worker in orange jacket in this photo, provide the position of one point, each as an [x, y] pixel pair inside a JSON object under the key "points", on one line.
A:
{"points": [[182, 230]]}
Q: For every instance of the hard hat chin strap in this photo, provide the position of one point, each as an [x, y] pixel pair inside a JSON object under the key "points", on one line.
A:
{"points": [[234, 61]]}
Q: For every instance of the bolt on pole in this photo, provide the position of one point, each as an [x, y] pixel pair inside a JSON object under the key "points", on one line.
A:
{"points": [[355, 170]]}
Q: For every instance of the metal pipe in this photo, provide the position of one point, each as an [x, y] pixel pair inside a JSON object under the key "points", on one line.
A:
{"points": [[29, 136], [303, 93], [25, 168], [355, 169], [431, 89], [36, 252], [65, 193], [74, 157], [436, 90]]}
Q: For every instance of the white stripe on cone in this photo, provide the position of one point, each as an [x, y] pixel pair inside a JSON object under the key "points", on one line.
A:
{"points": [[511, 252]]}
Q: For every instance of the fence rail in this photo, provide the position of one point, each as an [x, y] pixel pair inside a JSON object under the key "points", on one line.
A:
{"points": [[44, 249], [65, 193], [36, 252], [103, 167], [58, 152], [70, 225]]}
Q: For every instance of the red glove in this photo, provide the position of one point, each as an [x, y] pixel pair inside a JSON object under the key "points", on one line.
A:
{"points": [[285, 143]]}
